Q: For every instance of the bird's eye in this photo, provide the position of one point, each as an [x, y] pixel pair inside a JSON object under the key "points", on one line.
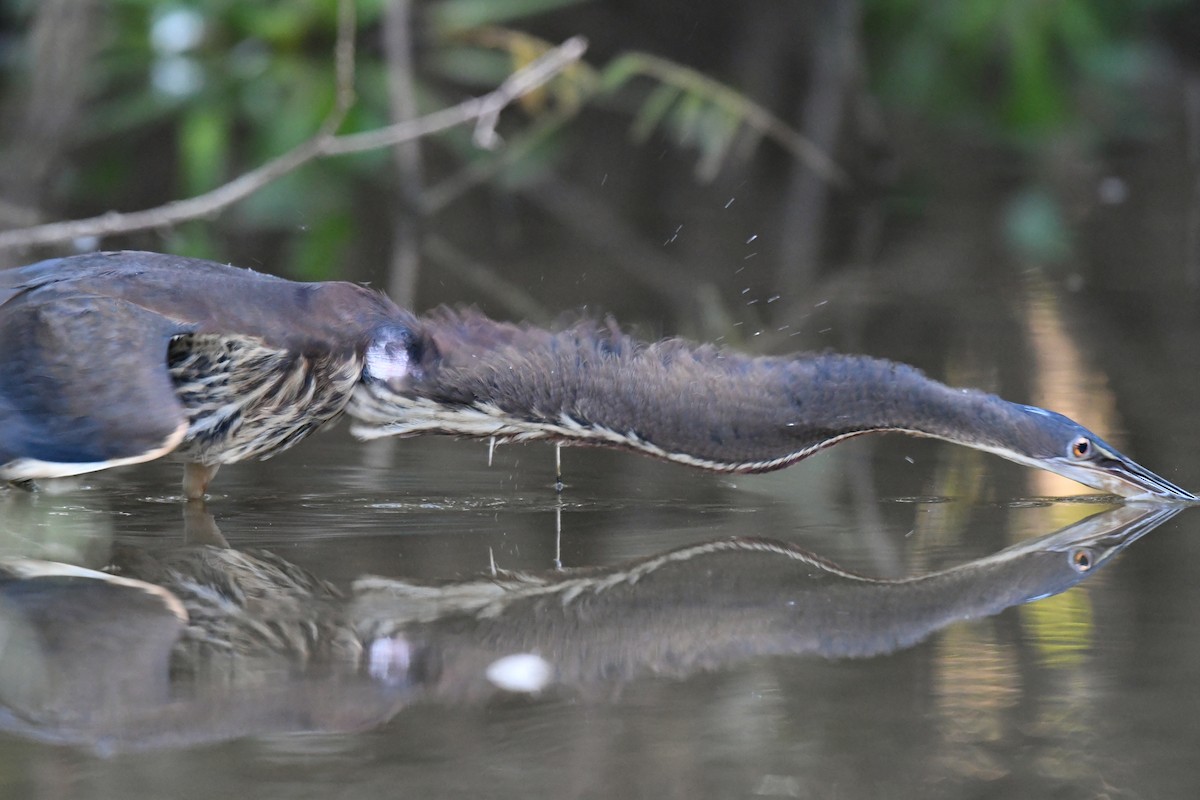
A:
{"points": [[1081, 447], [1082, 560]]}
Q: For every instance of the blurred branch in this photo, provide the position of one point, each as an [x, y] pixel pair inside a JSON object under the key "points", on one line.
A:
{"points": [[485, 279], [484, 110], [690, 89], [343, 65]]}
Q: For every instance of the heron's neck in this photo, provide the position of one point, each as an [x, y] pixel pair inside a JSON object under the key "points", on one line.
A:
{"points": [[695, 404], [841, 395]]}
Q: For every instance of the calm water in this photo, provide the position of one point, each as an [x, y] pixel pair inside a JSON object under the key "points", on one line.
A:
{"points": [[1086, 693]]}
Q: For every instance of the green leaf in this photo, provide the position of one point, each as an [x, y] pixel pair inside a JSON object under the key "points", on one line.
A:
{"points": [[1079, 29], [317, 252], [652, 111], [192, 239], [472, 66], [455, 16], [718, 129], [203, 148], [620, 71], [1035, 98], [686, 116]]}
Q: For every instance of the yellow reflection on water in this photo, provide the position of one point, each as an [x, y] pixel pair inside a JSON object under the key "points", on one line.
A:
{"points": [[1060, 627], [975, 684], [1062, 380]]}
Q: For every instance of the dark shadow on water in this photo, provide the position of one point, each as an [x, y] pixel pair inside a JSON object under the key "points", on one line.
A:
{"points": [[175, 646]]}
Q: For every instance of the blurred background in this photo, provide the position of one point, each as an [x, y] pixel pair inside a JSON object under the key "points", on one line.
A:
{"points": [[707, 169]]}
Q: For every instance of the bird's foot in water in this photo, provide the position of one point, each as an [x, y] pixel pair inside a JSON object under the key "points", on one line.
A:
{"points": [[196, 478]]}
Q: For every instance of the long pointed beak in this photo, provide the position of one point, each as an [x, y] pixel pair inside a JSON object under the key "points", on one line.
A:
{"points": [[1120, 475]]}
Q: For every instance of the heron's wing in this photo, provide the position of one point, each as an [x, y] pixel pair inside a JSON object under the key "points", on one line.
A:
{"points": [[83, 384], [216, 298]]}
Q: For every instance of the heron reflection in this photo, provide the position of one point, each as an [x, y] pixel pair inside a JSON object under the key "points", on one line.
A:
{"points": [[201, 643], [110, 359]]}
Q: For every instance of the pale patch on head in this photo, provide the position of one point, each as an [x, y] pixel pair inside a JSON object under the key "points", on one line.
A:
{"points": [[388, 360]]}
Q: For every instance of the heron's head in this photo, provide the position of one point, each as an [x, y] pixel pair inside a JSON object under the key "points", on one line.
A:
{"points": [[1044, 439]]}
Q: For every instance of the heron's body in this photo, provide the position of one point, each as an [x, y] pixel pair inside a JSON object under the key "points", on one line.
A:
{"points": [[111, 359], [117, 358]]}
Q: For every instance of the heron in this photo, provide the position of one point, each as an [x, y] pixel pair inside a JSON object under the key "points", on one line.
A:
{"points": [[117, 358]]}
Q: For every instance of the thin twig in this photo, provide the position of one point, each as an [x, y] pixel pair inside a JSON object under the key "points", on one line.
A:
{"points": [[323, 144], [536, 74], [203, 205], [343, 69], [532, 76]]}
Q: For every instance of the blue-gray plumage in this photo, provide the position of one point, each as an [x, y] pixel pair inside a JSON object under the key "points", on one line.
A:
{"points": [[117, 358]]}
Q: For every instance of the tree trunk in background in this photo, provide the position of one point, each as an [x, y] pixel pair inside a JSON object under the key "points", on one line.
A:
{"points": [[40, 121], [406, 238], [806, 198]]}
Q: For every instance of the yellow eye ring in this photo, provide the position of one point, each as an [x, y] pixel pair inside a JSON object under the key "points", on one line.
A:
{"points": [[1081, 447], [1081, 559]]}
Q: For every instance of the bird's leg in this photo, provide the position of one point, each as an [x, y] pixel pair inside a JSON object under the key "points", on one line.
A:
{"points": [[196, 478], [199, 527]]}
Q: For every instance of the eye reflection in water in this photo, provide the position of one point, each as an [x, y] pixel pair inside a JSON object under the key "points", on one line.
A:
{"points": [[202, 643]]}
